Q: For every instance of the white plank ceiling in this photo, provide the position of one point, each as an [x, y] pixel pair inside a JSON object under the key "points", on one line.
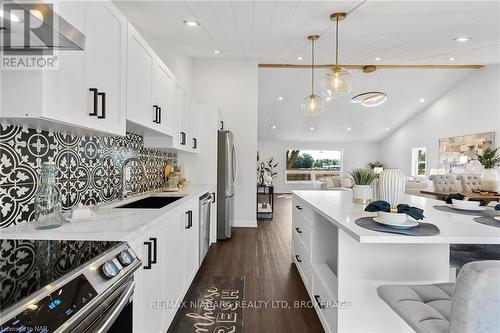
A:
{"points": [[407, 32]]}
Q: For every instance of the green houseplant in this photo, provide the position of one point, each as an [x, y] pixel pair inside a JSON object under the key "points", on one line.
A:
{"points": [[362, 192], [489, 159]]}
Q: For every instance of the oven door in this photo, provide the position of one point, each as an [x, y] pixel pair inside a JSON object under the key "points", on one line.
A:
{"points": [[114, 314]]}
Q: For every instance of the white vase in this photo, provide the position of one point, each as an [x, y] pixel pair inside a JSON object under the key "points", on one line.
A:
{"points": [[362, 194], [392, 186], [489, 180]]}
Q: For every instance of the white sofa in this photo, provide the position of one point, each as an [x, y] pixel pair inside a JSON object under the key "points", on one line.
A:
{"points": [[335, 183]]}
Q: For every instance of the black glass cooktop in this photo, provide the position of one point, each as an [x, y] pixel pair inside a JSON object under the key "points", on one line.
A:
{"points": [[26, 266]]}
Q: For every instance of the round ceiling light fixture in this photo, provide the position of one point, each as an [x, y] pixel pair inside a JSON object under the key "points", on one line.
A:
{"points": [[370, 99]]}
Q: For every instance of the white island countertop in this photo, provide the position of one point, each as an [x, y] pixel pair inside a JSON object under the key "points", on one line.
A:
{"points": [[110, 224], [337, 207]]}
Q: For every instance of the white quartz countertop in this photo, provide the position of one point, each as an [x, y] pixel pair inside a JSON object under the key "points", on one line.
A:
{"points": [[110, 224], [337, 207]]}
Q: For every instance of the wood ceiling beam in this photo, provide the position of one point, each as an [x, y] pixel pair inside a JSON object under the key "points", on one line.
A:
{"points": [[379, 66]]}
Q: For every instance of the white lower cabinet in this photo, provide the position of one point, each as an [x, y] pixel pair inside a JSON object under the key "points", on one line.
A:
{"points": [[314, 253], [170, 258]]}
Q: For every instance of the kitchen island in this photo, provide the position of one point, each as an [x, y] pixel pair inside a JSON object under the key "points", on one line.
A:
{"points": [[342, 264]]}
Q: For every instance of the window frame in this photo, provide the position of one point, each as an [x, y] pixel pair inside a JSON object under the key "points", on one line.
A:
{"points": [[415, 162], [312, 172]]}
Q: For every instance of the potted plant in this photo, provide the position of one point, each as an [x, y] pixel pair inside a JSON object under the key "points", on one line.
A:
{"points": [[362, 192], [489, 177]]}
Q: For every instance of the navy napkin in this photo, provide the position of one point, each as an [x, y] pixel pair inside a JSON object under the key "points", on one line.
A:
{"points": [[384, 206], [497, 207], [458, 196]]}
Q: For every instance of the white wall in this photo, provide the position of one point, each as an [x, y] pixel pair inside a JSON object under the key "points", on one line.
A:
{"points": [[355, 155], [180, 64], [231, 86], [472, 106]]}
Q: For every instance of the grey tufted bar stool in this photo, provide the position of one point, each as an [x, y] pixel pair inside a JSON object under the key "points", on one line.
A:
{"points": [[471, 305], [470, 182], [445, 183]]}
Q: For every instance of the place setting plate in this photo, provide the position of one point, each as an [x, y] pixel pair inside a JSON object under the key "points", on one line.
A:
{"points": [[397, 223]]}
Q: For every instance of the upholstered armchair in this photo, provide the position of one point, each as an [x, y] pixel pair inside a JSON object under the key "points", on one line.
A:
{"points": [[445, 183], [470, 182]]}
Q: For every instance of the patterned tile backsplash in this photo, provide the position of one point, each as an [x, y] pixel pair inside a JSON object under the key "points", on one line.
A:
{"points": [[89, 168]]}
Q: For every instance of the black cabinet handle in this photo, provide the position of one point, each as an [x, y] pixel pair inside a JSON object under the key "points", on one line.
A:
{"points": [[183, 138], [155, 120], [154, 257], [189, 214], [298, 258], [298, 207], [103, 105], [159, 115], [148, 261], [318, 301], [213, 197], [221, 125], [195, 143], [298, 230], [94, 91]]}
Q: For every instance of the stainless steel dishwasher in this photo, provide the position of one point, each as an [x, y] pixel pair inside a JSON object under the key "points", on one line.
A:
{"points": [[205, 213]]}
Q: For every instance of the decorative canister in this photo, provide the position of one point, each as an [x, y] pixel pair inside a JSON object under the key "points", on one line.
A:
{"points": [[490, 180], [48, 212], [392, 186], [362, 194]]}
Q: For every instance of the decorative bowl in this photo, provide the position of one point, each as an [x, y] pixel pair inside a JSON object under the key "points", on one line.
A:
{"points": [[465, 204], [392, 218]]}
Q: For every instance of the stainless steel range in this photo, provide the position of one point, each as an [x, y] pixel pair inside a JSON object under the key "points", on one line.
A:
{"points": [[77, 287]]}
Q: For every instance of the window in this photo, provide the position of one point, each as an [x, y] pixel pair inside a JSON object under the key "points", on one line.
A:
{"points": [[307, 166], [419, 161]]}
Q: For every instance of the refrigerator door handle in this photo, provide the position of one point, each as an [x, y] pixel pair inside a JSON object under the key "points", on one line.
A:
{"points": [[235, 164]]}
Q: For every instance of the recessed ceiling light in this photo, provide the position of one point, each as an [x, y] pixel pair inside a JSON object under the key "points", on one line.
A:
{"points": [[451, 58], [348, 128], [387, 128], [311, 128], [378, 59], [216, 51], [280, 98], [273, 127], [328, 99], [461, 39], [422, 100], [191, 23], [300, 58]]}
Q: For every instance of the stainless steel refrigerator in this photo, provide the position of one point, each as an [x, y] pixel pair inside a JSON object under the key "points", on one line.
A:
{"points": [[227, 168]]}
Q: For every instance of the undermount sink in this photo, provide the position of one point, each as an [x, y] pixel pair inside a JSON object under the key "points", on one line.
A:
{"points": [[151, 202]]}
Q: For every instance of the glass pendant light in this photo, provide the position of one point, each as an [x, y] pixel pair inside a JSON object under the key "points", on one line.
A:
{"points": [[313, 105], [336, 82]]}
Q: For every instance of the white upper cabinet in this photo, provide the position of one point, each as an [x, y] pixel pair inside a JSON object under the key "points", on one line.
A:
{"points": [[61, 98], [193, 123], [140, 62], [162, 98]]}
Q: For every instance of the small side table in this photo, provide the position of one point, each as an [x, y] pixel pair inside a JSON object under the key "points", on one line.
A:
{"points": [[265, 209]]}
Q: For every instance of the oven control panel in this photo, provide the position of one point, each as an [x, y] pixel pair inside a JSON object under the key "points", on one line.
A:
{"points": [[52, 311]]}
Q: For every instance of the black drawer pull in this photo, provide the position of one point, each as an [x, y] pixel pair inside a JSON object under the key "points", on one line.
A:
{"points": [[94, 91], [183, 138], [154, 258], [159, 115], [221, 125], [298, 207], [103, 105], [213, 197], [148, 261], [298, 258], [195, 143], [298, 230], [318, 301]]}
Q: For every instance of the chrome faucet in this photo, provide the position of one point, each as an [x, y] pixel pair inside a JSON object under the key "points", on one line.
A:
{"points": [[124, 193]]}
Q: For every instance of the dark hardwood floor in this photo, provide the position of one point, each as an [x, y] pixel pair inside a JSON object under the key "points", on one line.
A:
{"points": [[262, 255]]}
